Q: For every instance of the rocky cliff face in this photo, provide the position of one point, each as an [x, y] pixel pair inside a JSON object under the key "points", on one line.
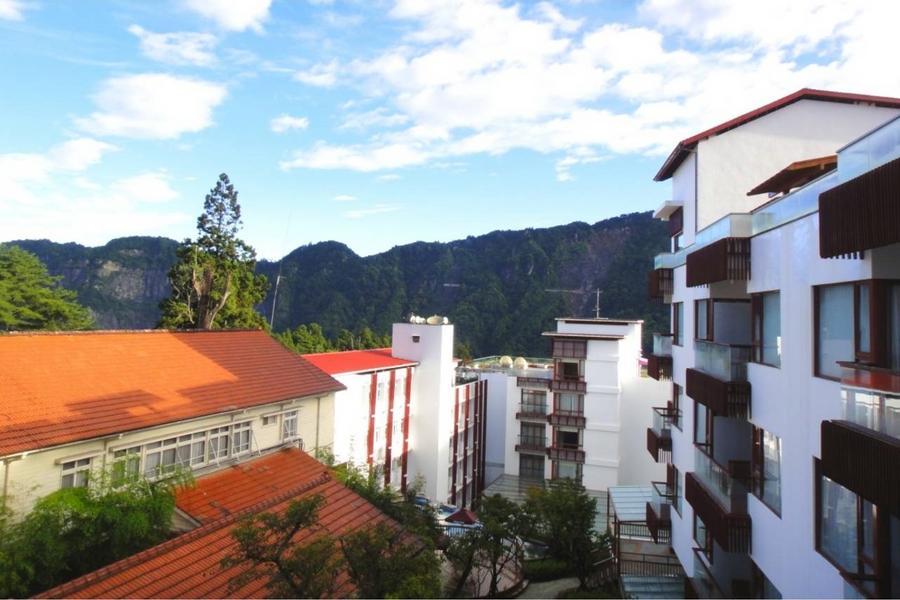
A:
{"points": [[501, 289]]}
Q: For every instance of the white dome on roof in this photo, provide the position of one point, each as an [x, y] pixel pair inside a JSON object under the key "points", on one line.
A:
{"points": [[520, 363], [506, 361]]}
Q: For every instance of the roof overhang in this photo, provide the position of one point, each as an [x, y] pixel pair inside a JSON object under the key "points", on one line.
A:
{"points": [[584, 336], [666, 209], [796, 174]]}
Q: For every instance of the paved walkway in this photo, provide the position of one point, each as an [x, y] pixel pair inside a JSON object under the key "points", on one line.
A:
{"points": [[549, 589]]}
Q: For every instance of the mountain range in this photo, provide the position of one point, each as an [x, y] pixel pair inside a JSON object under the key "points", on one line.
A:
{"points": [[501, 289]]}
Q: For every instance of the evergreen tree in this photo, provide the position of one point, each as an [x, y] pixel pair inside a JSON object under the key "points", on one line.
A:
{"points": [[30, 298], [213, 281], [305, 339]]}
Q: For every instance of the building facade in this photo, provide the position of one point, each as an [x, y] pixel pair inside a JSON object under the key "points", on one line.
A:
{"points": [[407, 413], [780, 435]]}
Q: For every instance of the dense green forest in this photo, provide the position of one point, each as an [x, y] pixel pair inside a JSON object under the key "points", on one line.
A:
{"points": [[496, 288]]}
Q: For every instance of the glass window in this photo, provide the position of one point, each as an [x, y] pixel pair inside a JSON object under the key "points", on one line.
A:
{"points": [[569, 470], [126, 464], [570, 370], [567, 439], [863, 325], [677, 492], [766, 463], [76, 473], [893, 321], [677, 403], [767, 328], [534, 402], [677, 323], [701, 536], [702, 425], [289, 425], [241, 438], [531, 467], [834, 330], [701, 328], [568, 403], [838, 525]]}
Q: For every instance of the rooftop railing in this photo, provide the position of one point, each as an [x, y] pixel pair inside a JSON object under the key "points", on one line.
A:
{"points": [[799, 203], [727, 362], [662, 344], [737, 225], [870, 151]]}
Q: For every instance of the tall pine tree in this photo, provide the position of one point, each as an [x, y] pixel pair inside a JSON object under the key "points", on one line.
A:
{"points": [[214, 284]]}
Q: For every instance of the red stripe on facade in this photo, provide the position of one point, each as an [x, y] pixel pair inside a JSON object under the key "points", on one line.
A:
{"points": [[484, 393], [466, 422], [370, 438], [476, 458], [455, 444], [388, 436], [403, 459]]}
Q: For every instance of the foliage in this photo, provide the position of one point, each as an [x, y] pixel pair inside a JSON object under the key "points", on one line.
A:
{"points": [[562, 516], [78, 530], [384, 562], [608, 592], [214, 284], [461, 553], [307, 339], [266, 540], [546, 569], [30, 298]]}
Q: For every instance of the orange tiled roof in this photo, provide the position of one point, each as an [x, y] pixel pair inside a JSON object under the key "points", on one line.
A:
{"points": [[353, 361], [64, 387], [188, 566]]}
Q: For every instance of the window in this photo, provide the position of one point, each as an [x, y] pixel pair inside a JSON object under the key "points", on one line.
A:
{"points": [[126, 465], [564, 469], [415, 339], [569, 348], [240, 438], [218, 444], [702, 537], [76, 473], [534, 402], [766, 310], [531, 467], [570, 370], [703, 426], [673, 478], [569, 403], [677, 323], [703, 321], [568, 438], [893, 326], [269, 420], [834, 328], [533, 434], [676, 405], [766, 468], [289, 425]]}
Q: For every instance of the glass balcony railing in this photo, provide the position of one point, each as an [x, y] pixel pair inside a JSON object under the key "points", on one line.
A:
{"points": [[799, 203], [662, 344], [727, 362], [728, 491], [703, 581], [731, 225], [533, 409], [877, 411], [661, 498], [662, 421], [873, 150]]}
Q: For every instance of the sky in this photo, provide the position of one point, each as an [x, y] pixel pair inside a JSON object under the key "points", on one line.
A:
{"points": [[377, 123]]}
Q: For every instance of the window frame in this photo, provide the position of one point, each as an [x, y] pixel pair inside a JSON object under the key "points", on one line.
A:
{"points": [[677, 393], [758, 327], [677, 324], [757, 468], [706, 445], [79, 466], [710, 319]]}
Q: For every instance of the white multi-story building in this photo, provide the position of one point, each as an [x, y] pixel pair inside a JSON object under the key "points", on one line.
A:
{"points": [[405, 412], [580, 414], [782, 434]]}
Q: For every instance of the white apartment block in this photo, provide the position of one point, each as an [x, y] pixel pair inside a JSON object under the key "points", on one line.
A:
{"points": [[581, 414], [782, 432], [406, 413]]}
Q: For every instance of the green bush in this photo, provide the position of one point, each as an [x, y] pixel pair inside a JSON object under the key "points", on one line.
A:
{"points": [[598, 593], [546, 569]]}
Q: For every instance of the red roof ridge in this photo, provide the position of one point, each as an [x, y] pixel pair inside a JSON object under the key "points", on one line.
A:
{"points": [[388, 349], [119, 566], [677, 155]]}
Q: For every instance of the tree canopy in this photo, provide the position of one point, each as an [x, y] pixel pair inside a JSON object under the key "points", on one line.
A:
{"points": [[214, 284], [307, 339], [30, 298]]}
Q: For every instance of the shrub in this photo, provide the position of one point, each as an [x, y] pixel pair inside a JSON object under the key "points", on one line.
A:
{"points": [[546, 569]]}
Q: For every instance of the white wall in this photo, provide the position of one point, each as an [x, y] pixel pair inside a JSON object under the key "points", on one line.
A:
{"points": [[639, 396], [684, 189], [733, 163], [501, 390]]}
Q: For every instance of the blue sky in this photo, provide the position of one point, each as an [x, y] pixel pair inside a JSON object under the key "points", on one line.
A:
{"points": [[379, 123]]}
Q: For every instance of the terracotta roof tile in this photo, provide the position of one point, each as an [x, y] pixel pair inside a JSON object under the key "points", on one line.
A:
{"points": [[188, 566], [353, 361], [65, 387]]}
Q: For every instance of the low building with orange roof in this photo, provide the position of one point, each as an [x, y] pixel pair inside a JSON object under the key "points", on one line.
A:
{"points": [[189, 566], [74, 404]]}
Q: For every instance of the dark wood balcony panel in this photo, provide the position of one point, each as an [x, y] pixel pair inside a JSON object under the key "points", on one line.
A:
{"points": [[568, 348], [531, 415], [567, 454], [659, 445], [725, 260], [724, 398], [862, 460], [568, 385], [660, 283], [862, 213], [659, 367], [539, 382], [558, 419], [857, 375], [731, 531], [660, 525]]}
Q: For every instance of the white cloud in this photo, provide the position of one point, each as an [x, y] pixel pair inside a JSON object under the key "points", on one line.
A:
{"points": [[486, 77], [232, 15], [146, 187], [388, 177], [378, 209], [12, 10], [153, 106], [78, 154], [285, 122], [178, 48], [344, 198]]}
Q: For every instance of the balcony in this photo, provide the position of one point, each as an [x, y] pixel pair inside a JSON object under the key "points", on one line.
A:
{"points": [[567, 418], [659, 364], [862, 451], [719, 497], [703, 582], [659, 436], [533, 382], [725, 260], [659, 508], [660, 283], [566, 453], [532, 444], [568, 384], [719, 379], [532, 411]]}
